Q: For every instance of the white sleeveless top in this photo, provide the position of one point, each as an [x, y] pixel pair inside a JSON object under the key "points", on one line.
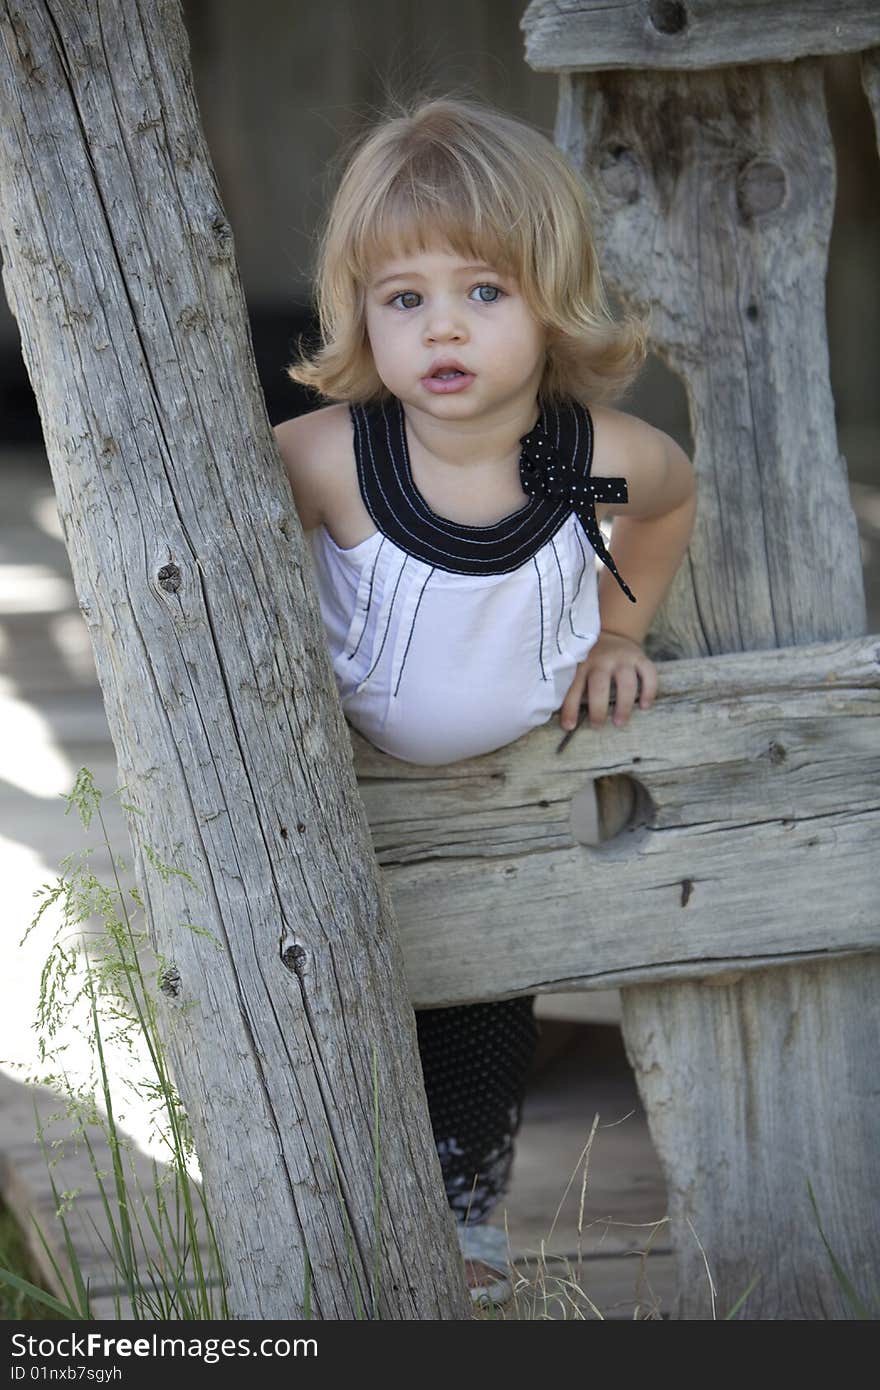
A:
{"points": [[450, 640]]}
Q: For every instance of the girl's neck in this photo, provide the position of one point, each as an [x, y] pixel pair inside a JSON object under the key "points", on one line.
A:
{"points": [[457, 443]]}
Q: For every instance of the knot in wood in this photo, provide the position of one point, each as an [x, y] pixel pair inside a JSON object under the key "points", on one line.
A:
{"points": [[620, 173], [222, 238], [169, 982], [169, 578], [777, 754], [761, 187], [668, 16], [294, 958], [193, 317]]}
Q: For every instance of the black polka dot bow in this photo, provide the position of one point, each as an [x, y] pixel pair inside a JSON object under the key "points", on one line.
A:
{"points": [[543, 474]]}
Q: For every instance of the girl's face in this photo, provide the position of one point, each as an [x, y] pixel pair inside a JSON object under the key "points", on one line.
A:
{"points": [[453, 337]]}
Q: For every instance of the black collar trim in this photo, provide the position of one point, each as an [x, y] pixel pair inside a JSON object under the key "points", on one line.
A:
{"points": [[554, 472]]}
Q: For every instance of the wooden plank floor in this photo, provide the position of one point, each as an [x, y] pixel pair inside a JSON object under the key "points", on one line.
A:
{"points": [[578, 1237], [568, 1266]]}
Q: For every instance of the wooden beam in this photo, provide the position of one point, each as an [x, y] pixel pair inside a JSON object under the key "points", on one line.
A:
{"points": [[589, 35], [752, 769]]}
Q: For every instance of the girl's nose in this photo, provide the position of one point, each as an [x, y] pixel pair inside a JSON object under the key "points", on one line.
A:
{"points": [[444, 325]]}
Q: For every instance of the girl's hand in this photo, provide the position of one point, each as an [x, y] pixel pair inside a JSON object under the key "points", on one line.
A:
{"points": [[612, 658]]}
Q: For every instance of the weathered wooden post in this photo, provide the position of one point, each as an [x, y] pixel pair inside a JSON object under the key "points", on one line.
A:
{"points": [[188, 561], [716, 187]]}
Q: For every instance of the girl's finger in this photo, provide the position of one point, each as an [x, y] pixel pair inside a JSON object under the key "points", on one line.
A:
{"points": [[625, 693], [571, 705], [648, 674], [599, 689]]}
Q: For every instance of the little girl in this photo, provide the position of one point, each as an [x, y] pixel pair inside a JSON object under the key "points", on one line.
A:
{"points": [[451, 499]]}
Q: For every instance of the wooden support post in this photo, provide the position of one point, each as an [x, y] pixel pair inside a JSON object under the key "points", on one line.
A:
{"points": [[715, 192], [189, 565]]}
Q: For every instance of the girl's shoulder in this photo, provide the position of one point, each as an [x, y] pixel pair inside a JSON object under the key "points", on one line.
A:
{"points": [[618, 435], [316, 449], [656, 468], [327, 429]]}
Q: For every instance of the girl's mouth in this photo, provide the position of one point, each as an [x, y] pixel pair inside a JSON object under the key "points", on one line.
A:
{"points": [[447, 379]]}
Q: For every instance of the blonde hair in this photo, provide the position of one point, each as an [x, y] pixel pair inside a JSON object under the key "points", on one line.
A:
{"points": [[456, 173]]}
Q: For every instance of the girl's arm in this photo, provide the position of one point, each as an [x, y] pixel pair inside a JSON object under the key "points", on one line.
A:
{"points": [[314, 449], [649, 538]]}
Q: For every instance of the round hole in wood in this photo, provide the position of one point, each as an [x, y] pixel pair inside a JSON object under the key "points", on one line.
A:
{"points": [[668, 16], [610, 809]]}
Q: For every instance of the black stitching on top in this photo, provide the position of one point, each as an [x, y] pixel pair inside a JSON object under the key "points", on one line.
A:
{"points": [[369, 599], [388, 624], [411, 631], [541, 602]]}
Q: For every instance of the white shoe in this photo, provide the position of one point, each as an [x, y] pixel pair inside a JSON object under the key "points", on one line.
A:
{"points": [[487, 1245]]}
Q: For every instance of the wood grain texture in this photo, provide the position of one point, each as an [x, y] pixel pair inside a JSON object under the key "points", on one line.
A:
{"points": [[188, 562], [714, 196], [586, 35], [751, 772], [761, 1088], [714, 201]]}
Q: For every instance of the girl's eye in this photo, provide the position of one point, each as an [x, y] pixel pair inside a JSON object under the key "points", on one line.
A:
{"points": [[407, 299], [487, 294]]}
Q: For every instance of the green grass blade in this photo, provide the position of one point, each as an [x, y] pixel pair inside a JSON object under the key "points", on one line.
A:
{"points": [[65, 1310], [850, 1293], [742, 1298], [82, 1299], [125, 1234], [349, 1238]]}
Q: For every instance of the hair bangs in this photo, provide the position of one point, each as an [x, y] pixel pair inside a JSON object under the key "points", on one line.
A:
{"points": [[421, 209]]}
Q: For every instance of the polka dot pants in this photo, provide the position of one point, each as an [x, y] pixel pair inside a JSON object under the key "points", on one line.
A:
{"points": [[475, 1059]]}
